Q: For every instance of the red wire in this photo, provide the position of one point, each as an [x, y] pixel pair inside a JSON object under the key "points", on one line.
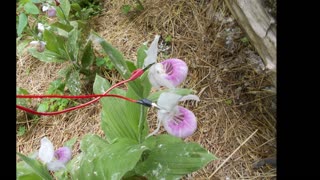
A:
{"points": [[135, 74], [75, 97]]}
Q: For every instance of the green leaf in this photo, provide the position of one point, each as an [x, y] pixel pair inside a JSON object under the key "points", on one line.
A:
{"points": [[73, 83], [125, 9], [46, 55], [100, 61], [31, 176], [25, 172], [56, 87], [62, 26], [113, 161], [21, 131], [37, 1], [30, 8], [117, 59], [181, 91], [139, 7], [65, 5], [43, 107], [115, 56], [70, 142], [146, 85], [141, 55], [65, 72], [131, 66], [171, 158], [61, 175], [92, 143], [108, 63], [22, 101], [100, 85], [88, 56], [76, 7], [244, 40], [228, 101], [90, 146], [73, 45], [114, 121], [168, 39], [54, 42], [38, 168], [137, 115], [23, 21], [21, 46]]}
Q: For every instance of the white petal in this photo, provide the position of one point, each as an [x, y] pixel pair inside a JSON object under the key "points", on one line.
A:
{"points": [[40, 27], [190, 97], [157, 77], [55, 165], [168, 101], [34, 42], [152, 52], [45, 7], [46, 151]]}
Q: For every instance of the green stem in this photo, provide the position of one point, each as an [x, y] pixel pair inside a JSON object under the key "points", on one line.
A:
{"points": [[140, 128]]}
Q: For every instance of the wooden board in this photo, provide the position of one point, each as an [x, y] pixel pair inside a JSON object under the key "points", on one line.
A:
{"points": [[260, 27]]}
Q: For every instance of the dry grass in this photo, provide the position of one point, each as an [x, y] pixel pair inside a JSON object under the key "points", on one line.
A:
{"points": [[236, 116]]}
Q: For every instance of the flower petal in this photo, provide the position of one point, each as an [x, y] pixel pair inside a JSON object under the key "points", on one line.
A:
{"points": [[168, 101], [45, 7], [52, 12], [176, 71], [182, 124], [190, 97], [34, 43], [46, 151], [63, 154], [40, 27], [157, 77], [152, 52], [55, 165]]}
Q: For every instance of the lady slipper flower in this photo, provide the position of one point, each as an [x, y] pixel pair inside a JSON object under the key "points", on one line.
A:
{"points": [[39, 44], [55, 160], [51, 11], [177, 120], [169, 73]]}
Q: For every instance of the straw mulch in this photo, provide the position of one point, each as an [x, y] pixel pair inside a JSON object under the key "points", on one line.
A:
{"points": [[237, 112]]}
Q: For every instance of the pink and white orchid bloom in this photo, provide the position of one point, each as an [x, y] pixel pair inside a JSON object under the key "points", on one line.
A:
{"points": [[169, 73], [40, 45], [177, 120], [55, 160], [51, 10]]}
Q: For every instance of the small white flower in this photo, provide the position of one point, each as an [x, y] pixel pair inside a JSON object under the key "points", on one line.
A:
{"points": [[45, 7], [40, 27], [55, 160], [39, 44], [51, 10]]}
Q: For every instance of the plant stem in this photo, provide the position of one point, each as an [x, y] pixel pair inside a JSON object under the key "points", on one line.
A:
{"points": [[140, 125]]}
